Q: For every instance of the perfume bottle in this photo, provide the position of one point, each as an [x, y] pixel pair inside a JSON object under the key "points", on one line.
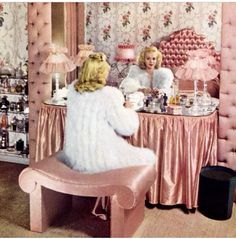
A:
{"points": [[19, 88], [20, 105], [20, 145], [19, 71], [5, 103], [26, 125], [13, 123], [26, 88], [20, 125], [12, 106], [3, 143], [13, 88], [4, 120], [5, 85], [4, 139]]}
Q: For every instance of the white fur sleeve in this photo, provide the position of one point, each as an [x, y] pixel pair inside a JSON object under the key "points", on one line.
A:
{"points": [[131, 83], [123, 120], [163, 79]]}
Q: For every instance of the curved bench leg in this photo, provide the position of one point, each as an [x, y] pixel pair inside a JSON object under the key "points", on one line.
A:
{"points": [[45, 205], [124, 222]]}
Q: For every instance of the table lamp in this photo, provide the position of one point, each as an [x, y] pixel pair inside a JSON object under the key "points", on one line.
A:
{"points": [[56, 63], [199, 66], [84, 51], [125, 55]]}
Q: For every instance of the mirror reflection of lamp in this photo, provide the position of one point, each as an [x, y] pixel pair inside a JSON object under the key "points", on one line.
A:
{"points": [[199, 66], [56, 63], [84, 51], [124, 55]]}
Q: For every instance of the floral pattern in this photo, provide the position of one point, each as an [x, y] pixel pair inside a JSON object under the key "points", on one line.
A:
{"points": [[145, 23], [2, 13], [106, 7], [189, 7], [146, 7], [106, 32], [212, 19], [13, 33], [167, 19], [125, 19], [146, 33], [89, 42], [88, 18]]}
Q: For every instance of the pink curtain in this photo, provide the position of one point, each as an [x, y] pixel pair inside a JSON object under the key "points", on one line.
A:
{"points": [[183, 145], [74, 31], [50, 132]]}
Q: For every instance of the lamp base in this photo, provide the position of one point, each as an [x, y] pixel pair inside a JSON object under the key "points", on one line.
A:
{"points": [[205, 99], [58, 100], [60, 96], [53, 102]]}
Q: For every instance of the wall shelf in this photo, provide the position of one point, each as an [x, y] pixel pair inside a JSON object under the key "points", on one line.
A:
{"points": [[10, 157], [15, 108]]}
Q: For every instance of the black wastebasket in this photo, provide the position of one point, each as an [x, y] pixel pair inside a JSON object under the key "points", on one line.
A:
{"points": [[216, 192]]}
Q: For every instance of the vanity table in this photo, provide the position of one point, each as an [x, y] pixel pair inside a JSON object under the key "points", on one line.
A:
{"points": [[183, 145]]}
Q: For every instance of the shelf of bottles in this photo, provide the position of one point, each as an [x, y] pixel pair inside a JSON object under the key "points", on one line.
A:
{"points": [[14, 123]]}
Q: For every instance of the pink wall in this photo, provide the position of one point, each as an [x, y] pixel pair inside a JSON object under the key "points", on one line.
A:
{"points": [[227, 112]]}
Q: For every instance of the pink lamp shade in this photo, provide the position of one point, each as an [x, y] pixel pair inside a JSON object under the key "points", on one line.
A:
{"points": [[200, 66], [57, 61], [84, 51], [125, 53]]}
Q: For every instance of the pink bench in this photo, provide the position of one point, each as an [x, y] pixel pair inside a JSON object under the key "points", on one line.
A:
{"points": [[51, 185]]}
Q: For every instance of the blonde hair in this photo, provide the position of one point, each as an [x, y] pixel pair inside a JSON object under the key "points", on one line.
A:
{"points": [[145, 50], [93, 74]]}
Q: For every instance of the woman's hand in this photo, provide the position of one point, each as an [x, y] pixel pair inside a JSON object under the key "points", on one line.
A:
{"points": [[128, 104], [155, 91], [145, 91]]}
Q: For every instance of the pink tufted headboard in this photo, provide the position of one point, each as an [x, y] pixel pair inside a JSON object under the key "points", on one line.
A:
{"points": [[39, 30], [174, 48], [227, 109]]}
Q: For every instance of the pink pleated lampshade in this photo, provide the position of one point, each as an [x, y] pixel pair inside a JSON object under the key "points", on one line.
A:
{"points": [[125, 53], [57, 61], [200, 66], [84, 51]]}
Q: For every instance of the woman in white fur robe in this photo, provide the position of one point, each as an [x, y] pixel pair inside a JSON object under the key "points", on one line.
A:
{"points": [[138, 79], [148, 73], [95, 123]]}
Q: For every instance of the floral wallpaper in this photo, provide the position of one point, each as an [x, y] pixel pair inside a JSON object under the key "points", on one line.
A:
{"points": [[141, 24], [13, 33]]}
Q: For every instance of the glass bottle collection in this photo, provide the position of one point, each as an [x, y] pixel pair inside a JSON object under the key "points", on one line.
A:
{"points": [[14, 113]]}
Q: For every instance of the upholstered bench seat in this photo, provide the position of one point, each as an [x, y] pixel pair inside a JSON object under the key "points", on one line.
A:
{"points": [[50, 184]]}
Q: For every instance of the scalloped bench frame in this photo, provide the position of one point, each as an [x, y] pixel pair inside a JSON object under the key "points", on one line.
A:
{"points": [[51, 185]]}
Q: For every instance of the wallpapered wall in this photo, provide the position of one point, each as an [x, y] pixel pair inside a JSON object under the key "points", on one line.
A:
{"points": [[13, 32], [108, 24]]}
